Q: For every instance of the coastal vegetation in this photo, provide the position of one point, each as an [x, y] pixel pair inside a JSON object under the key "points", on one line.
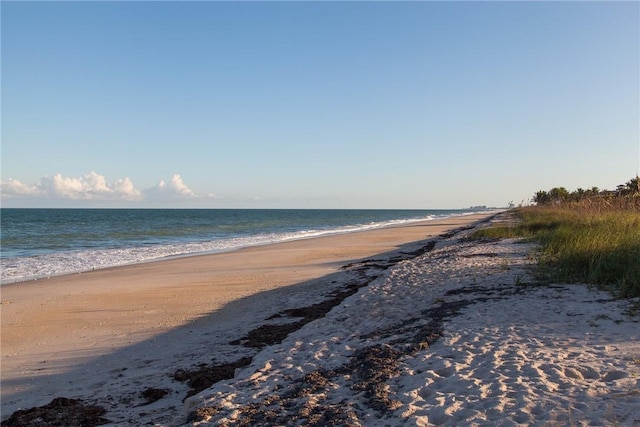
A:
{"points": [[589, 236]]}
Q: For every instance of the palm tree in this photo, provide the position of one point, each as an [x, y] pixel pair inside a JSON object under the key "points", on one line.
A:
{"points": [[541, 198], [579, 194], [633, 186], [558, 194]]}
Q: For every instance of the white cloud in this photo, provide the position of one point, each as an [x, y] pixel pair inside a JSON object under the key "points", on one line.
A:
{"points": [[174, 189], [91, 186], [125, 186], [15, 188], [95, 187]]}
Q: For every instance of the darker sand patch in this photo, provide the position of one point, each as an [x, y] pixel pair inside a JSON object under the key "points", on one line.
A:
{"points": [[151, 395], [60, 412], [205, 376]]}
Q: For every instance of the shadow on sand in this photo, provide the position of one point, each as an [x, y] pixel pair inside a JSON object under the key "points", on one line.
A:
{"points": [[147, 382]]}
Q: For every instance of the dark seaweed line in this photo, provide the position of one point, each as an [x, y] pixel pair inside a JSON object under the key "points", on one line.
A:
{"points": [[368, 371], [71, 412], [304, 399], [371, 365], [204, 377]]}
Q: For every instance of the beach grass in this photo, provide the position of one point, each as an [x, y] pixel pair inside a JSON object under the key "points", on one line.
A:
{"points": [[597, 243]]}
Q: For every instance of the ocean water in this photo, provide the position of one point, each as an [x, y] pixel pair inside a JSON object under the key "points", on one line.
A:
{"points": [[37, 243]]}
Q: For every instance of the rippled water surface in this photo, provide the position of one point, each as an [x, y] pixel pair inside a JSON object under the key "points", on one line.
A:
{"points": [[44, 242]]}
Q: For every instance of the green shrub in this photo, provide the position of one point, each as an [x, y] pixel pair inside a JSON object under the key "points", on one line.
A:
{"points": [[583, 244]]}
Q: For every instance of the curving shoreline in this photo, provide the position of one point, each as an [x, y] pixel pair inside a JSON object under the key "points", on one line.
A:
{"points": [[440, 331], [120, 235], [66, 329]]}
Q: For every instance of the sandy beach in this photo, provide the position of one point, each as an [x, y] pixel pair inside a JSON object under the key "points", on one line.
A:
{"points": [[112, 333], [462, 335], [411, 325]]}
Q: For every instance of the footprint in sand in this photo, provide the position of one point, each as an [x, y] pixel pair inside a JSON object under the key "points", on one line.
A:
{"points": [[587, 372], [426, 393], [445, 372], [573, 373], [613, 375], [437, 416]]}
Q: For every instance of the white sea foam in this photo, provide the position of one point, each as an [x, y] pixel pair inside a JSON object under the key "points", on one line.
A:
{"points": [[69, 262]]}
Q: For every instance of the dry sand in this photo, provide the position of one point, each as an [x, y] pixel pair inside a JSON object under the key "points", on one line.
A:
{"points": [[110, 334], [459, 336], [364, 329]]}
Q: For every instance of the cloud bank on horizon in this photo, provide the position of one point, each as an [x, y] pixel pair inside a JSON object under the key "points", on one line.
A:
{"points": [[93, 187]]}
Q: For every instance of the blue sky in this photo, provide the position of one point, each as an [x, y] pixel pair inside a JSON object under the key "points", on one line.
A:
{"points": [[316, 105]]}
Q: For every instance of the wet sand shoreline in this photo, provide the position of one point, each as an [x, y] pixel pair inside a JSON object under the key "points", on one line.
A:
{"points": [[53, 329]]}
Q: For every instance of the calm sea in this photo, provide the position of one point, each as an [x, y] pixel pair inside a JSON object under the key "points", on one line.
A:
{"points": [[36, 243]]}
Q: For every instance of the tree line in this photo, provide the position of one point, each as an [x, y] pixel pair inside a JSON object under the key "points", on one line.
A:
{"points": [[558, 195]]}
